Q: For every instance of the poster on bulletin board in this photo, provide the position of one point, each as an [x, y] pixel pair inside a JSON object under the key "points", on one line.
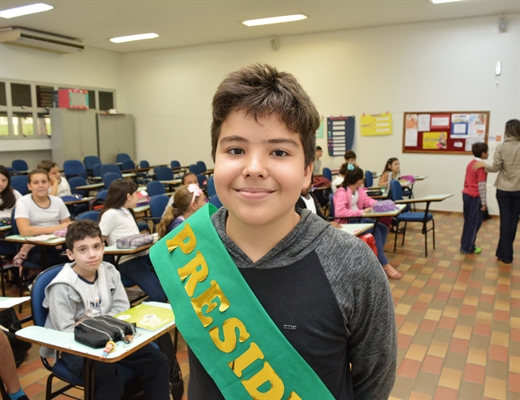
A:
{"points": [[444, 132]]}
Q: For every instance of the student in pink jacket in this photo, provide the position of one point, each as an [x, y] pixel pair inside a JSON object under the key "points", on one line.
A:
{"points": [[350, 203]]}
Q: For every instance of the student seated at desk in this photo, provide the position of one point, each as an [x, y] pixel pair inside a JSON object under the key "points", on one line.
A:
{"points": [[392, 171], [59, 185], [187, 200], [85, 288], [350, 201], [116, 221], [38, 213], [187, 179]]}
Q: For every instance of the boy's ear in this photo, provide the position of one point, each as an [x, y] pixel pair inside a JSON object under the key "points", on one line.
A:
{"points": [[307, 176], [70, 255]]}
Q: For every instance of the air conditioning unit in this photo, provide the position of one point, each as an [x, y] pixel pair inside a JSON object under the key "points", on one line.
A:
{"points": [[39, 40]]}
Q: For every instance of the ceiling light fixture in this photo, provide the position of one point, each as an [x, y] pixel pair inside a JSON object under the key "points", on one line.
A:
{"points": [[25, 10], [444, 1], [274, 20], [131, 38]]}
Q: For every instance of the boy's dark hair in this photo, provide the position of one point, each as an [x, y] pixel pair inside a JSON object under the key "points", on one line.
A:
{"points": [[352, 176], [81, 229], [36, 172], [259, 90], [318, 148], [349, 154], [47, 165], [479, 148]]}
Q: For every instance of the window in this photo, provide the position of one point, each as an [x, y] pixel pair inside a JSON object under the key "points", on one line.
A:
{"points": [[106, 100], [3, 97], [21, 95], [45, 96], [23, 124], [4, 124]]}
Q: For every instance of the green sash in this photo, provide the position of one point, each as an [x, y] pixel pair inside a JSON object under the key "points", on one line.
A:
{"points": [[222, 320]]}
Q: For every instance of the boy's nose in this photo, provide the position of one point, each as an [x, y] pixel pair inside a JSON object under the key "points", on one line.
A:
{"points": [[256, 166]]}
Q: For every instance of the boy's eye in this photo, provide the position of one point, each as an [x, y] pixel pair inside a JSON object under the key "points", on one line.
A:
{"points": [[235, 151], [280, 153]]}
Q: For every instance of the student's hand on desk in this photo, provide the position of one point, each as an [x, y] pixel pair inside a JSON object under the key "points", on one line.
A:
{"points": [[478, 164], [367, 210]]}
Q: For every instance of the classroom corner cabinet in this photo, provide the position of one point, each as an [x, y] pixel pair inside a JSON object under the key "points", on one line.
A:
{"points": [[115, 135], [74, 134]]}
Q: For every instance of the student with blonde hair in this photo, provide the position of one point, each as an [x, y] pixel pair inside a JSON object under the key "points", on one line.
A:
{"points": [[186, 201]]}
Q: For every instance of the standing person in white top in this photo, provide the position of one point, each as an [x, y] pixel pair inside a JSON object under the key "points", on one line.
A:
{"points": [[37, 213], [59, 185], [8, 198], [117, 221]]}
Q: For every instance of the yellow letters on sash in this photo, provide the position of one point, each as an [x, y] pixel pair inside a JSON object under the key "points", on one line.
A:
{"points": [[266, 374], [206, 299], [228, 329], [194, 273], [246, 359], [179, 240]]}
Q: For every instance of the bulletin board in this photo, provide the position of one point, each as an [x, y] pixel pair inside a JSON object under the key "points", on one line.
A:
{"points": [[340, 134], [446, 132]]}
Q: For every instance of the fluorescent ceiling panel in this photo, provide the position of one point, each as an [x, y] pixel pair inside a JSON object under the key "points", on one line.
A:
{"points": [[274, 20], [25, 10]]}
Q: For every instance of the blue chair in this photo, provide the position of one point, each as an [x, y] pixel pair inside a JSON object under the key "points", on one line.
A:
{"points": [[195, 169], [144, 164], [20, 165], [78, 181], [210, 187], [97, 169], [215, 201], [202, 166], [369, 179], [110, 177], [90, 162], [422, 217], [163, 174], [202, 180], [19, 183], [102, 194], [327, 173], [91, 215], [74, 168], [155, 188], [157, 206], [106, 168], [10, 169], [122, 157], [175, 164], [127, 164]]}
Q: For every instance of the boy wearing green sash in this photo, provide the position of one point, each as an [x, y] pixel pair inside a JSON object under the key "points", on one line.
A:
{"points": [[274, 303]]}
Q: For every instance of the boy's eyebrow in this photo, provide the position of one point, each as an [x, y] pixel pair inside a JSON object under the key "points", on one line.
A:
{"points": [[237, 138]]}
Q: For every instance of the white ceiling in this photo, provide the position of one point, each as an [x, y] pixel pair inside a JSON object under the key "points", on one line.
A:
{"points": [[187, 23]]}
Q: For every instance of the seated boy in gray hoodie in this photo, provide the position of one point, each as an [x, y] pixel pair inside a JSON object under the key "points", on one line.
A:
{"points": [[85, 288]]}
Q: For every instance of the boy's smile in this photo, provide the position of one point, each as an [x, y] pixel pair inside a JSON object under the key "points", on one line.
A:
{"points": [[259, 170]]}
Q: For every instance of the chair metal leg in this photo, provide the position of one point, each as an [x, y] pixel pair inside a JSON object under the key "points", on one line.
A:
{"points": [[395, 237], [404, 232], [48, 387], [425, 229]]}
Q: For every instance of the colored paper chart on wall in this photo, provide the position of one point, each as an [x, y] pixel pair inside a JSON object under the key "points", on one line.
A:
{"points": [[340, 134], [321, 128], [376, 124]]}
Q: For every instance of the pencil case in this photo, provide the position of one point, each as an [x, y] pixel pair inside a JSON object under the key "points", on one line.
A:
{"points": [[96, 332], [131, 242]]}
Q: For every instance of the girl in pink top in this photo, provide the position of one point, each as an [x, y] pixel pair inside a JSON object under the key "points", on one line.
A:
{"points": [[350, 203]]}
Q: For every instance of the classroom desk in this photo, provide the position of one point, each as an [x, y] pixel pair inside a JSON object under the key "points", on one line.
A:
{"points": [[43, 240], [378, 215], [118, 253], [356, 229], [78, 201], [126, 175], [143, 169], [91, 186], [433, 198], [9, 302], [142, 209], [5, 228], [64, 341]]}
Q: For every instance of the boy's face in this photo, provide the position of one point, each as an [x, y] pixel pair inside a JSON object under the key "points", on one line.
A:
{"points": [[259, 170], [351, 161], [485, 155], [319, 153], [191, 179], [55, 173], [88, 254]]}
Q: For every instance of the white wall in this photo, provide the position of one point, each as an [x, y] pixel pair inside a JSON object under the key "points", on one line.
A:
{"points": [[89, 68], [437, 66]]}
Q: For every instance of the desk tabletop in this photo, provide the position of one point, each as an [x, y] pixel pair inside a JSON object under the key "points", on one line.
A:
{"points": [[426, 199], [46, 240], [5, 228], [91, 186], [64, 341], [115, 251], [420, 177], [8, 302], [372, 214], [78, 201], [141, 209], [172, 182], [356, 229]]}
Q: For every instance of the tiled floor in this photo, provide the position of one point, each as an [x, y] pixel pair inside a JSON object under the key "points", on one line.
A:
{"points": [[458, 319]]}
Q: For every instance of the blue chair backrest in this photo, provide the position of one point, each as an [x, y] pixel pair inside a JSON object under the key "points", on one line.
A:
{"points": [[91, 215], [106, 168], [155, 188], [195, 169], [20, 165], [175, 164], [158, 204], [44, 278], [77, 181], [144, 164], [396, 191], [90, 162], [369, 179], [215, 201], [19, 183], [122, 157], [202, 166], [10, 169], [210, 187], [102, 194], [163, 174], [327, 173], [127, 164], [74, 168], [331, 205], [202, 180], [97, 169], [110, 177]]}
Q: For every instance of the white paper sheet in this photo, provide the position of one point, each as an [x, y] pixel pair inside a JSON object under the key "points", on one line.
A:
{"points": [[410, 138], [440, 121], [424, 122], [469, 143]]}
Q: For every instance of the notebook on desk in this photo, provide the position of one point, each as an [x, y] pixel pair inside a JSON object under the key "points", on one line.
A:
{"points": [[147, 317]]}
